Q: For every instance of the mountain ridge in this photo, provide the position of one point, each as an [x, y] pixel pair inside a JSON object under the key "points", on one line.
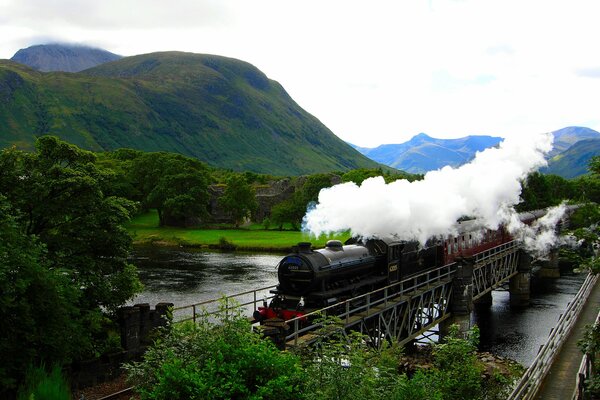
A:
{"points": [[423, 153], [220, 110], [63, 57]]}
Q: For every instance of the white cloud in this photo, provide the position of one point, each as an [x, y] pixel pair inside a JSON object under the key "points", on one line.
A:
{"points": [[373, 72]]}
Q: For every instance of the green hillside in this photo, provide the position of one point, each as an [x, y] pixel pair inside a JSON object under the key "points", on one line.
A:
{"points": [[574, 161], [220, 110]]}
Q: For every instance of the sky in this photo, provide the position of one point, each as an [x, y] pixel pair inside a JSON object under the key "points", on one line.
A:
{"points": [[373, 71]]}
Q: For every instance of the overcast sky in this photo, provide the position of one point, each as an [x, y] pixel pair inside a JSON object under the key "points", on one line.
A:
{"points": [[372, 71]]}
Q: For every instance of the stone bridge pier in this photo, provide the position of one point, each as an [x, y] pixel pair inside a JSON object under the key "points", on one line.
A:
{"points": [[520, 284], [549, 268], [461, 302]]}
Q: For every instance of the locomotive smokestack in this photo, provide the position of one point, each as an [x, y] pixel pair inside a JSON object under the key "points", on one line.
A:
{"points": [[304, 247], [334, 245]]}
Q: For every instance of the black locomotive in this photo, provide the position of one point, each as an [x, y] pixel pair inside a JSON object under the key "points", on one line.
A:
{"points": [[326, 276]]}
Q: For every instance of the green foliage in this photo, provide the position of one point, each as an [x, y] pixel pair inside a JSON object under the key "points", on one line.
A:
{"points": [[220, 110], [589, 344], [343, 366], [542, 191], [359, 175], [39, 319], [294, 209], [457, 372], [266, 223], [594, 165], [58, 195], [238, 199], [585, 216], [225, 244], [215, 359], [62, 256], [177, 186], [41, 386]]}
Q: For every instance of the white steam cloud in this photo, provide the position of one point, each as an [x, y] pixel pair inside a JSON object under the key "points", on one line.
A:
{"points": [[487, 188]]}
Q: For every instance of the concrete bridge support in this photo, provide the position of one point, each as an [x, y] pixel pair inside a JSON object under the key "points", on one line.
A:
{"points": [[485, 301], [461, 303], [520, 284], [550, 267]]}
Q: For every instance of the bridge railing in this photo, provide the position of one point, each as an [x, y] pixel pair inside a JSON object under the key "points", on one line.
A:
{"points": [[530, 382], [486, 255], [369, 303], [248, 300], [585, 371]]}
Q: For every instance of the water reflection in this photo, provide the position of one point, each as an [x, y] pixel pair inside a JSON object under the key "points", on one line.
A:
{"points": [[186, 276]]}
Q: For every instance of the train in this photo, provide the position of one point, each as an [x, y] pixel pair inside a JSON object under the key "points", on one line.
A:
{"points": [[311, 279]]}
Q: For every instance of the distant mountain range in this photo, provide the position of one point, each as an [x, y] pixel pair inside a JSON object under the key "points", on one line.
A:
{"points": [[574, 160], [567, 137], [220, 110], [423, 153], [62, 57], [573, 148]]}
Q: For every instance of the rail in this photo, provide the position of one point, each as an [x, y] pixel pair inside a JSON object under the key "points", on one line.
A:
{"points": [[585, 371], [530, 382]]}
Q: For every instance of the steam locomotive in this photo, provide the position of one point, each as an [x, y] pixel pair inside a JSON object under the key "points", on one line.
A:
{"points": [[312, 279]]}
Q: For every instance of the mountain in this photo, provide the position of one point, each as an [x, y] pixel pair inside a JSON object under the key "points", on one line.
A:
{"points": [[423, 153], [220, 110], [574, 161], [566, 137], [63, 57]]}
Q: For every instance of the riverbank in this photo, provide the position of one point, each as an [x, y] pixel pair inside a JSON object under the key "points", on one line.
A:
{"points": [[144, 230]]}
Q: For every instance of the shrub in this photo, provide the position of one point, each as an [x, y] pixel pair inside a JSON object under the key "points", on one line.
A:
{"points": [[217, 358], [39, 385]]}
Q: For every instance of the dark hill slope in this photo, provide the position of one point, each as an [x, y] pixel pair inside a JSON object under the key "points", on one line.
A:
{"points": [[574, 161], [62, 57], [220, 110]]}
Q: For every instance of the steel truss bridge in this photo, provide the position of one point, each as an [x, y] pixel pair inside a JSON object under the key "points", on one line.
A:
{"points": [[400, 312]]}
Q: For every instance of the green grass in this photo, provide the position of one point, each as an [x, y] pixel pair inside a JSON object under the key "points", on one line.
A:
{"points": [[144, 229]]}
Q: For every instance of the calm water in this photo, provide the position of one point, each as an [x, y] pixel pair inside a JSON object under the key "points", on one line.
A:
{"points": [[187, 276], [518, 334], [184, 276]]}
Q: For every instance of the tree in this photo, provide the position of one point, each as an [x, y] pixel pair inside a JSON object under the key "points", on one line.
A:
{"points": [[177, 186], [58, 195], [239, 198], [294, 209], [40, 320], [594, 165]]}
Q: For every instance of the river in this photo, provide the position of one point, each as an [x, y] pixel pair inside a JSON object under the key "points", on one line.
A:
{"points": [[183, 276]]}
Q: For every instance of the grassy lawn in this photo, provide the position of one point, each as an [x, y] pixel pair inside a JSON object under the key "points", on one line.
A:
{"points": [[144, 229]]}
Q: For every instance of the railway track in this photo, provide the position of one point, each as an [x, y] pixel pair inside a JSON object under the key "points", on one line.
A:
{"points": [[121, 394]]}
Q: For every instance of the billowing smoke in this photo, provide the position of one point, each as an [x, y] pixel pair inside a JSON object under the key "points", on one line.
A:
{"points": [[539, 237], [487, 188]]}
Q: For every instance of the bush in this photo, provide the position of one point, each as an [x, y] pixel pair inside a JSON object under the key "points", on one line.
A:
{"points": [[216, 359], [266, 223], [40, 385], [225, 244]]}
